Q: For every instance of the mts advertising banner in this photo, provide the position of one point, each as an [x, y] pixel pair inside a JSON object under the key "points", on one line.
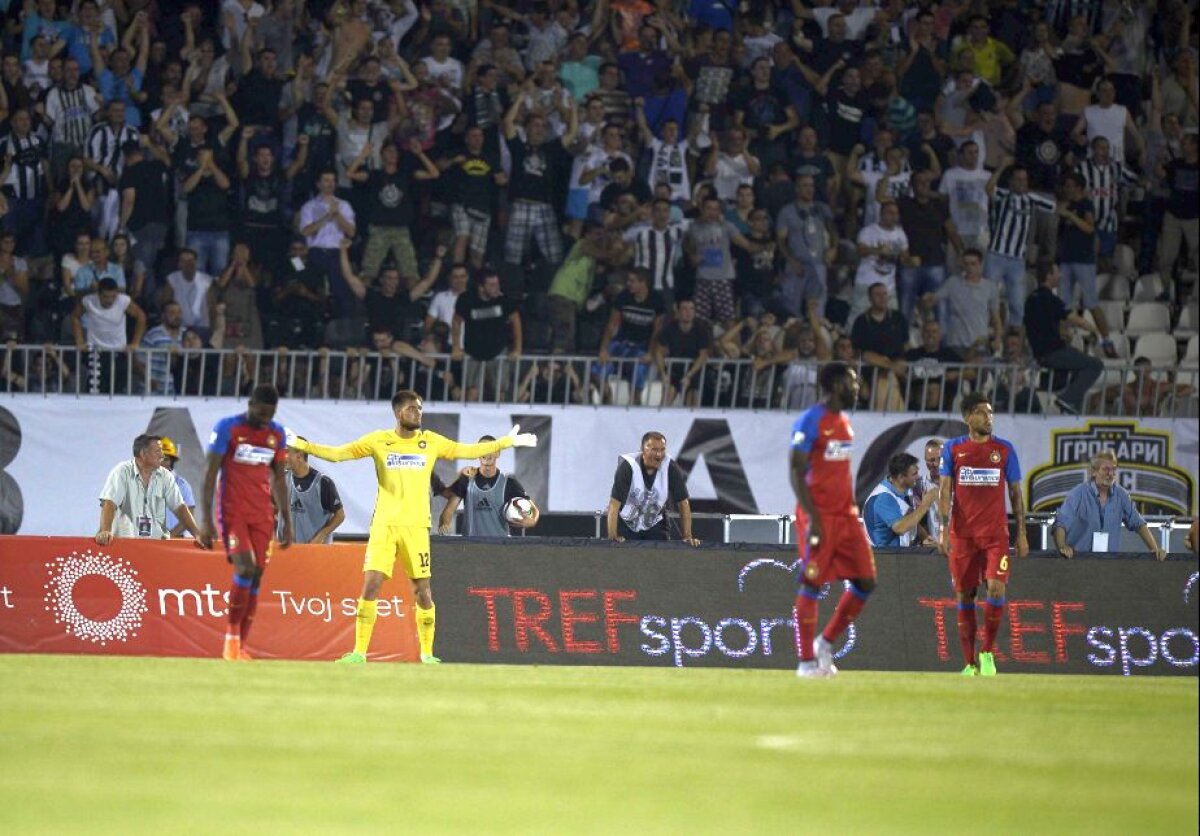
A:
{"points": [[155, 598], [56, 451], [675, 606]]}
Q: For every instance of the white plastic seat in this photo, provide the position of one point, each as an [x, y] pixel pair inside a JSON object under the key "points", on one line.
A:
{"points": [[1148, 318], [653, 396], [619, 391], [1113, 287], [1191, 355], [1121, 344], [1159, 349], [1189, 321], [1114, 314], [1124, 263], [1149, 287]]}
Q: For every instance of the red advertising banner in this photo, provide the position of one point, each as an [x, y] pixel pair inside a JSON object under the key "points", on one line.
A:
{"points": [[168, 598]]}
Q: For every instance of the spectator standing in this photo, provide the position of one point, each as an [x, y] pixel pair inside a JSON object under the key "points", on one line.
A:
{"points": [[145, 206], [26, 181], [1013, 218], [1110, 120], [313, 499], [966, 186], [1092, 513], [807, 238], [189, 287], [485, 323], [99, 324], [974, 326], [929, 228], [572, 284], [1077, 252], [441, 306], [137, 494], [1044, 314], [708, 245], [657, 246], [118, 76], [207, 191], [882, 251], [69, 108], [299, 294], [98, 268], [263, 198], [539, 164], [931, 386], [473, 179], [681, 351], [390, 306], [390, 207], [891, 514], [327, 223], [633, 326], [1104, 182], [165, 340], [1182, 217], [880, 334]]}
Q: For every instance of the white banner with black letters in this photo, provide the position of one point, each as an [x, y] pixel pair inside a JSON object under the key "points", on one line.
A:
{"points": [[56, 451]]}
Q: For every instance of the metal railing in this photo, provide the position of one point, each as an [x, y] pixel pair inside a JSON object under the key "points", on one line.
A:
{"points": [[1122, 389]]}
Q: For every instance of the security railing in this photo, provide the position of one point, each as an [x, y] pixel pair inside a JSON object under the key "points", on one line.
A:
{"points": [[1122, 389]]}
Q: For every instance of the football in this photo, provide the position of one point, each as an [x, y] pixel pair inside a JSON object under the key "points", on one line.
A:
{"points": [[518, 509]]}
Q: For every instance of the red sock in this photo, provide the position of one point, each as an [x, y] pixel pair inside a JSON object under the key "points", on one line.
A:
{"points": [[806, 624], [993, 613], [248, 617], [848, 608], [966, 631], [239, 600]]}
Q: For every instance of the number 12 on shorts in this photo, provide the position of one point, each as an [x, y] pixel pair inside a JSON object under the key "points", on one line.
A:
{"points": [[423, 557]]}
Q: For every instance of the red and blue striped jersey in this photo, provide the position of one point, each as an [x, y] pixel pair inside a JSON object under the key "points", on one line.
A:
{"points": [[828, 440], [980, 472]]}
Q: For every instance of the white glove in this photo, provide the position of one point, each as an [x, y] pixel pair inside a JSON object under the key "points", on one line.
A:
{"points": [[520, 439], [289, 437]]}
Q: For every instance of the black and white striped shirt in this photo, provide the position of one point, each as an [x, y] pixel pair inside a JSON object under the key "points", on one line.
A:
{"points": [[657, 251], [26, 157], [104, 145], [1104, 184], [71, 112], [1012, 215]]}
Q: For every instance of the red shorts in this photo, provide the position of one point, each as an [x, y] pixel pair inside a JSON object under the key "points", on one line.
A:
{"points": [[973, 560], [254, 537], [844, 552]]}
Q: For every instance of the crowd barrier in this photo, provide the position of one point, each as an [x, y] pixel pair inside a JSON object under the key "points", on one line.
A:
{"points": [[1164, 390], [546, 601]]}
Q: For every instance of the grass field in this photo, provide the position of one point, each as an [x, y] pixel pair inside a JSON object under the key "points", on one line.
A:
{"points": [[180, 745]]}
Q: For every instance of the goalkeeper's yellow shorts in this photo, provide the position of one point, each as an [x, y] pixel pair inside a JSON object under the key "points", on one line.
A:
{"points": [[407, 543]]}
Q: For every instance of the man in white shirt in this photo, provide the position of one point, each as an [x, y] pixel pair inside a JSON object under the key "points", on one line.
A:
{"points": [[137, 494], [1110, 120], [445, 70], [881, 248], [189, 287], [98, 323], [441, 307], [966, 185], [326, 221]]}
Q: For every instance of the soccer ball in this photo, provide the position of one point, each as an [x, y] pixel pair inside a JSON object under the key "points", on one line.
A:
{"points": [[518, 510]]}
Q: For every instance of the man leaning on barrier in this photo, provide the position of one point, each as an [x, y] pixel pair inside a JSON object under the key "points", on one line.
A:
{"points": [[1090, 518], [892, 514], [136, 495], [642, 487]]}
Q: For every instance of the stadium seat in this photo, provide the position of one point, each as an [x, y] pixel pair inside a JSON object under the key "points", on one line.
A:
{"points": [[1189, 322], [1149, 318], [1114, 314], [653, 396], [1149, 287], [1191, 355], [1158, 348], [1113, 287], [619, 391], [1124, 263], [1121, 344]]}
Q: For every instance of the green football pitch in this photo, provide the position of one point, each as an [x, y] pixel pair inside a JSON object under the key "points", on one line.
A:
{"points": [[90, 744]]}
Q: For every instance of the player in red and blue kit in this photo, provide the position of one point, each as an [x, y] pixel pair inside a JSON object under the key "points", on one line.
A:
{"points": [[833, 543], [247, 451], [977, 469]]}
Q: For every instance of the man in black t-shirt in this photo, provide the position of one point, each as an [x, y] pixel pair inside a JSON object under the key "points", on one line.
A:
{"points": [[145, 207], [1182, 219], [633, 325], [1044, 314], [390, 205], [684, 337], [390, 306], [472, 180], [880, 335], [637, 505], [485, 323], [539, 167]]}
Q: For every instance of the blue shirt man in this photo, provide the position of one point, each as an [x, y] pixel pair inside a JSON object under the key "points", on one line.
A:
{"points": [[1099, 506], [891, 517]]}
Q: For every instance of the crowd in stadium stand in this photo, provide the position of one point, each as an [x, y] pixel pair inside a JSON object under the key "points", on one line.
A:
{"points": [[771, 180]]}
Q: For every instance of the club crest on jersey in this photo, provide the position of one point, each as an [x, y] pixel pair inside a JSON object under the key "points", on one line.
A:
{"points": [[422, 444], [979, 475], [995, 457], [401, 461], [838, 451]]}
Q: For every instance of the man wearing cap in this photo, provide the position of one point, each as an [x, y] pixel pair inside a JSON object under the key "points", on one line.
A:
{"points": [[170, 457], [137, 494]]}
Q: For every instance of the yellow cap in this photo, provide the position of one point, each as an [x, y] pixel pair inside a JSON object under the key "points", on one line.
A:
{"points": [[169, 448]]}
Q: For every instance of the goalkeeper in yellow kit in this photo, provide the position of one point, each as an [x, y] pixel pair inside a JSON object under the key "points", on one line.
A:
{"points": [[404, 459]]}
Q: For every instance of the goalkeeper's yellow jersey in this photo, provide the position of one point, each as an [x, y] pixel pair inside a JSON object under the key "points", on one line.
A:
{"points": [[402, 467]]}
